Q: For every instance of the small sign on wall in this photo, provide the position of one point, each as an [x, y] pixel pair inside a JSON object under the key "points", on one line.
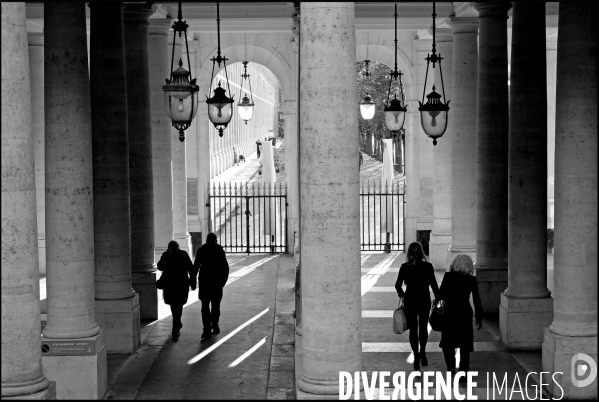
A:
{"points": [[68, 348], [192, 196]]}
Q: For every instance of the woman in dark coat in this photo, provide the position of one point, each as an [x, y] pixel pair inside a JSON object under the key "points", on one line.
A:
{"points": [[456, 288], [175, 265], [418, 275]]}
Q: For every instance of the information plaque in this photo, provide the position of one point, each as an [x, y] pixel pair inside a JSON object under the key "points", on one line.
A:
{"points": [[68, 348]]}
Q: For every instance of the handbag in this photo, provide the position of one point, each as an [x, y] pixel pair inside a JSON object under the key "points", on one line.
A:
{"points": [[400, 324], [437, 316], [160, 282]]}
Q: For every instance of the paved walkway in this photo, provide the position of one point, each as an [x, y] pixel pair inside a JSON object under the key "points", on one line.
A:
{"points": [[252, 357], [382, 350]]}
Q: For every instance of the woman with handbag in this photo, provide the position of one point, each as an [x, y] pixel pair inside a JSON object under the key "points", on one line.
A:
{"points": [[457, 331], [175, 265], [418, 275]]}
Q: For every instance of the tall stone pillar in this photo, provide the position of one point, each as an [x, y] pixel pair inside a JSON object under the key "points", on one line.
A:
{"points": [[36, 69], [291, 173], [161, 134], [329, 188], [441, 234], [462, 122], [526, 308], [570, 343], [551, 44], [491, 155], [117, 304], [203, 167], [141, 184], [69, 206], [412, 184], [180, 232], [22, 376]]}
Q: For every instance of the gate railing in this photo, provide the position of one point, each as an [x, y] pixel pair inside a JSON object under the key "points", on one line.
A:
{"points": [[382, 216], [249, 217]]}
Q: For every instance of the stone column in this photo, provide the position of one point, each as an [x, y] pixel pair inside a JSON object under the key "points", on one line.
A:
{"points": [[491, 155], [526, 308], [203, 167], [180, 232], [329, 188], [412, 184], [36, 68], [571, 340], [22, 376], [551, 44], [69, 206], [161, 133], [462, 121], [141, 184], [117, 304], [291, 174], [441, 234]]}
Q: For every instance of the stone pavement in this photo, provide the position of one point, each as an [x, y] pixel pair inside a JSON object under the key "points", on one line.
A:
{"points": [[260, 288], [382, 350]]}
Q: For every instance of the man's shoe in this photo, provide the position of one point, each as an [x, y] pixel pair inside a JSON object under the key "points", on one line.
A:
{"points": [[175, 335], [206, 336], [216, 330]]}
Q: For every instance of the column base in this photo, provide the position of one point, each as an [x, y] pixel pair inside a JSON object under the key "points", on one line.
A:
{"points": [[318, 387], [120, 321], [561, 354], [438, 251], [144, 283], [47, 394], [77, 377], [491, 283], [523, 321], [454, 251]]}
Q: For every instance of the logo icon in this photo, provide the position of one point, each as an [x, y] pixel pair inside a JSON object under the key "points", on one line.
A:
{"points": [[583, 370]]}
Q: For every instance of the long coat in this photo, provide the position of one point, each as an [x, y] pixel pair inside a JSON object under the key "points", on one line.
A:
{"points": [[418, 277], [211, 263], [455, 291], [175, 269]]}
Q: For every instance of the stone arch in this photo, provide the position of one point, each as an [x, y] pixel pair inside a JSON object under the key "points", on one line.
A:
{"points": [[383, 54], [254, 54]]}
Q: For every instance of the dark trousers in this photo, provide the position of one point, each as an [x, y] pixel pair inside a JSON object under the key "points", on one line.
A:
{"points": [[177, 311], [210, 313], [449, 354], [417, 318]]}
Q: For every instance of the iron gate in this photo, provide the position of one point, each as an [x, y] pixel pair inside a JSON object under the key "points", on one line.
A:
{"points": [[249, 217], [382, 215]]}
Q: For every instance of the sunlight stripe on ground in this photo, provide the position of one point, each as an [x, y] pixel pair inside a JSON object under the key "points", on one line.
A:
{"points": [[377, 313], [383, 289], [390, 270], [244, 271], [375, 273], [404, 347], [248, 353], [223, 340]]}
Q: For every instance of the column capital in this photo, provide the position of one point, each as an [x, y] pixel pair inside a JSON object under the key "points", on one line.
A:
{"points": [[139, 13], [35, 38], [160, 26], [423, 45], [466, 25], [442, 34], [493, 10]]}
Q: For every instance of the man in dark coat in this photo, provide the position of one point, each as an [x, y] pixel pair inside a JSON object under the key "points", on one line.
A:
{"points": [[175, 265], [213, 268]]}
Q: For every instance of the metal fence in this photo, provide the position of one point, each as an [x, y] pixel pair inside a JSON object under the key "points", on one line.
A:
{"points": [[249, 217], [382, 216]]}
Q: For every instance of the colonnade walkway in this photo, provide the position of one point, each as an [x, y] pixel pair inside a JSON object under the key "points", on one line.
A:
{"points": [[257, 312], [382, 350]]}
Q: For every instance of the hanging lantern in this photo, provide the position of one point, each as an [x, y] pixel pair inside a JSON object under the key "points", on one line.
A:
{"points": [[180, 91], [434, 113], [220, 106], [367, 106], [246, 106], [395, 110]]}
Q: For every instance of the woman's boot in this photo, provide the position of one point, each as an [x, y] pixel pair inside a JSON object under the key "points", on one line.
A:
{"points": [[416, 361], [423, 358]]}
